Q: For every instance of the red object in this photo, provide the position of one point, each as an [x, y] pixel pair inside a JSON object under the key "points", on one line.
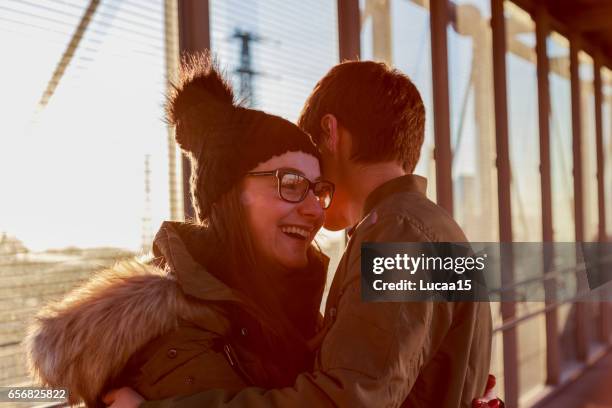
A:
{"points": [[482, 402], [490, 383]]}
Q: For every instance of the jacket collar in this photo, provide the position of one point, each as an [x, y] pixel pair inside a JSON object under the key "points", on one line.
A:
{"points": [[402, 184], [184, 249]]}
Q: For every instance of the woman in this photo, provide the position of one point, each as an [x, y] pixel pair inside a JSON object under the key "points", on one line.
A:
{"points": [[228, 302]]}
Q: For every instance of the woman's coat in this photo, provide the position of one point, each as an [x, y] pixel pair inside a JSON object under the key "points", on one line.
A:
{"points": [[166, 327]]}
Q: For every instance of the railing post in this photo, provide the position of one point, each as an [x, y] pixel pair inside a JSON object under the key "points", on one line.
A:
{"points": [[194, 36], [171, 52], [503, 187], [441, 110], [604, 323], [582, 338], [349, 30], [553, 369]]}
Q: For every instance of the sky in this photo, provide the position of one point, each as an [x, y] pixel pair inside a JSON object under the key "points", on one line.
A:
{"points": [[72, 173]]}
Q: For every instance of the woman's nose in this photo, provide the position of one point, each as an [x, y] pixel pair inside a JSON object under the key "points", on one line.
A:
{"points": [[311, 206]]}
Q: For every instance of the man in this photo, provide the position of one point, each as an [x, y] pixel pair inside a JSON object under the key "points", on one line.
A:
{"points": [[368, 121]]}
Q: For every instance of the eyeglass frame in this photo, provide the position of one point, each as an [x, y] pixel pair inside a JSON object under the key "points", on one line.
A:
{"points": [[278, 173]]}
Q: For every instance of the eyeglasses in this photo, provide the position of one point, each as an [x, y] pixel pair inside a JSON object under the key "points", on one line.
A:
{"points": [[293, 187]]}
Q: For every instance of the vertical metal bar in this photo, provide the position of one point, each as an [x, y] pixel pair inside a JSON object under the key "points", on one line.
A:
{"points": [[607, 305], [194, 36], [600, 153], [603, 327], [553, 369], [349, 30], [501, 120], [576, 137], [582, 343], [171, 62], [542, 30], [441, 110], [503, 187]]}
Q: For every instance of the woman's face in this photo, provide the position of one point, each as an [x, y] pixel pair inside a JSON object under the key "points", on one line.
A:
{"points": [[282, 231]]}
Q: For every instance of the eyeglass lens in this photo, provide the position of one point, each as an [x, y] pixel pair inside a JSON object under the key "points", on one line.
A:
{"points": [[294, 188]]}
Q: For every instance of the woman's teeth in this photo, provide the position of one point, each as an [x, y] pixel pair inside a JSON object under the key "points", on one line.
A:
{"points": [[296, 232]]}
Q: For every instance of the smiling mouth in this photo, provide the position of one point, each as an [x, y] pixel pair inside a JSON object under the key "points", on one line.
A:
{"points": [[296, 232]]}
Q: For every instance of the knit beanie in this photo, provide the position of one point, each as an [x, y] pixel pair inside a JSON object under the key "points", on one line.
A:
{"points": [[223, 140]]}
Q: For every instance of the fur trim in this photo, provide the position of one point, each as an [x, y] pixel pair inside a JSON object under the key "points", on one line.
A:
{"points": [[84, 341]]}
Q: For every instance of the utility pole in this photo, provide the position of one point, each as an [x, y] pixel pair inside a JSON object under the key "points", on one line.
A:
{"points": [[245, 70], [147, 235]]}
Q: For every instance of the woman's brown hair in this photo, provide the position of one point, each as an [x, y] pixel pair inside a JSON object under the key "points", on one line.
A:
{"points": [[285, 337]]}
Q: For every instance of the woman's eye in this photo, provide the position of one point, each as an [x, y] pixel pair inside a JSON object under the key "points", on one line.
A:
{"points": [[291, 186], [291, 181]]}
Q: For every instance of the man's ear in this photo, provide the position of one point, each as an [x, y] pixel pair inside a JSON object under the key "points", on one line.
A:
{"points": [[329, 128]]}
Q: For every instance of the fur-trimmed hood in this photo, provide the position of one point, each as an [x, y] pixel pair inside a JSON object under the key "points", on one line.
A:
{"points": [[84, 341]]}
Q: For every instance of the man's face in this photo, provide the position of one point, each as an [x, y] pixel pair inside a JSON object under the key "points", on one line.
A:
{"points": [[334, 169]]}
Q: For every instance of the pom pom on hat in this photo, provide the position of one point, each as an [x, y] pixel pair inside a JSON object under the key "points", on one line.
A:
{"points": [[202, 95]]}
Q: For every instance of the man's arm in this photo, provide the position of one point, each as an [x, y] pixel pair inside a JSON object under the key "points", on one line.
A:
{"points": [[371, 355], [362, 364]]}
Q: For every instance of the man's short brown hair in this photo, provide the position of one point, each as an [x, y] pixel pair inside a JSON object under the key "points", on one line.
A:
{"points": [[378, 105]]}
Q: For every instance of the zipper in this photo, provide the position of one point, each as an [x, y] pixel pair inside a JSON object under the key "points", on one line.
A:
{"points": [[231, 358]]}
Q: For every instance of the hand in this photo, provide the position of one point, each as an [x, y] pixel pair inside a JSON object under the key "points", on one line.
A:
{"points": [[123, 398], [489, 399]]}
